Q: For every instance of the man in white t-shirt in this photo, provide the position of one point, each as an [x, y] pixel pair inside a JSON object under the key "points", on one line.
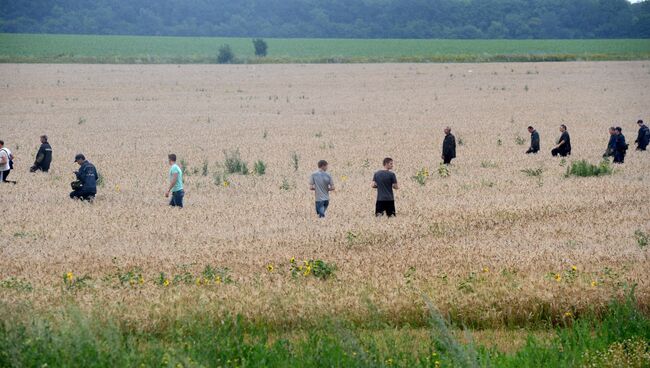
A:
{"points": [[5, 158]]}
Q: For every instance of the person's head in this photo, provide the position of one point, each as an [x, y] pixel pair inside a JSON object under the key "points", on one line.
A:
{"points": [[322, 165], [447, 130], [43, 138], [563, 128], [640, 122], [79, 158], [388, 163], [612, 130], [531, 129], [619, 130], [172, 158], [2, 144]]}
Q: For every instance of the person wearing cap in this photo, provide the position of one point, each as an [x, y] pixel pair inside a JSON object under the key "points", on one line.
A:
{"points": [[643, 138], [621, 147], [175, 183], [43, 157], [86, 178], [534, 140], [563, 147]]}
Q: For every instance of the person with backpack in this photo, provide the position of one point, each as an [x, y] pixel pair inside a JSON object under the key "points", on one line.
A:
{"points": [[6, 163], [621, 147], [85, 187], [43, 157], [643, 138]]}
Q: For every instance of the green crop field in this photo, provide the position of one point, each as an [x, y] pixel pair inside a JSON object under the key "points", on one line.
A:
{"points": [[143, 49]]}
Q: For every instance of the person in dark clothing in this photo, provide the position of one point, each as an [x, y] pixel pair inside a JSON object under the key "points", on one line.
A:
{"points": [[448, 147], [643, 138], [563, 147], [611, 145], [43, 157], [87, 177], [534, 140], [621, 147], [385, 181]]}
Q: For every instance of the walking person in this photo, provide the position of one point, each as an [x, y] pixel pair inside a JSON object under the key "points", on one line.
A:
{"points": [[563, 147], [385, 181], [611, 145], [6, 163], [534, 140], [175, 183], [321, 183], [43, 157], [621, 147], [448, 147], [85, 188], [643, 138]]}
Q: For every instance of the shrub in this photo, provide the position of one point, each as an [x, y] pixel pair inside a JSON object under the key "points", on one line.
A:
{"points": [[583, 168], [260, 47], [295, 160], [205, 168], [260, 167], [233, 163], [421, 176], [285, 184], [443, 170], [520, 141], [225, 56], [489, 165], [641, 238], [533, 172]]}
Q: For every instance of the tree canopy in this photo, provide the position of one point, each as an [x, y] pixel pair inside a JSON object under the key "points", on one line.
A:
{"points": [[514, 19]]}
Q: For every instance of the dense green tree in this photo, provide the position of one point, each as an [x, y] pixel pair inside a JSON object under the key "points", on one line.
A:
{"points": [[333, 18]]}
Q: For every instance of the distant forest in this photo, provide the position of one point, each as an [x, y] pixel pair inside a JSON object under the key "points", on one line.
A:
{"points": [[464, 19]]}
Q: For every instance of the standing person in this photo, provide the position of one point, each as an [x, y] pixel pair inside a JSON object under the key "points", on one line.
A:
{"points": [[6, 163], [563, 147], [175, 183], [448, 147], [621, 147], [85, 188], [643, 138], [321, 183], [385, 181], [611, 145], [534, 140], [43, 157]]}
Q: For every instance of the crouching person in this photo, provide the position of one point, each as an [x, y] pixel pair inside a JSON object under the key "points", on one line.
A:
{"points": [[85, 188]]}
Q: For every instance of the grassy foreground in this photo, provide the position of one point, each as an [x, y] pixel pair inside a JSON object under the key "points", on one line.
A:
{"points": [[29, 48], [70, 337]]}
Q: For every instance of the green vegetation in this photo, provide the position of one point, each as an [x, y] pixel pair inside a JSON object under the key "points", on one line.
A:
{"points": [[72, 337], [234, 164], [142, 49], [583, 168]]}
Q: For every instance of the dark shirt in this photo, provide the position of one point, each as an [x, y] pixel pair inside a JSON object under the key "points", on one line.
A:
{"points": [[621, 146], [385, 180], [87, 175], [644, 136], [566, 147], [449, 146], [534, 141], [611, 146], [44, 157]]}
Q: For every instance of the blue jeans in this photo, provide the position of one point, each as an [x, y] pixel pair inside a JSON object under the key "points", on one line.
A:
{"points": [[177, 199], [321, 207]]}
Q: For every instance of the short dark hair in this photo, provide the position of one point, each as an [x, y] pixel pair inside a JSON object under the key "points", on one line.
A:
{"points": [[563, 126], [44, 137], [2, 143], [619, 129], [387, 160], [172, 157], [640, 121], [530, 127], [322, 163]]}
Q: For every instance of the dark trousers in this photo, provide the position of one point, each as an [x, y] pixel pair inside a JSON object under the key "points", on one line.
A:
{"points": [[387, 207], [84, 196], [619, 157], [531, 150], [447, 160], [177, 199], [560, 151], [321, 207], [4, 174]]}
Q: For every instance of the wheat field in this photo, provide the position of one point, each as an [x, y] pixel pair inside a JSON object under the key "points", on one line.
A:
{"points": [[488, 245]]}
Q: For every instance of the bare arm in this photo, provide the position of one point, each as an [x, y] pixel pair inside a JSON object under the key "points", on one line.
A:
{"points": [[395, 186], [171, 185], [374, 185]]}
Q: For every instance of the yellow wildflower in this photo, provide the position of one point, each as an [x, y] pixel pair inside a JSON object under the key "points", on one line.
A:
{"points": [[344, 178], [574, 268], [293, 260], [594, 283], [217, 280], [568, 314], [198, 281], [226, 183], [269, 267], [486, 270], [166, 282], [69, 276], [117, 188], [141, 280], [558, 277]]}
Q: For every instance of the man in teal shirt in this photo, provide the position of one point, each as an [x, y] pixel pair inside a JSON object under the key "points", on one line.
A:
{"points": [[175, 183]]}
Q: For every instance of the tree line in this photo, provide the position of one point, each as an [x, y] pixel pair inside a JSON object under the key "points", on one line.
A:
{"points": [[464, 19]]}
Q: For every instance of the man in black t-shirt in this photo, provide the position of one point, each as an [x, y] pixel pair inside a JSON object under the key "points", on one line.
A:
{"points": [[43, 157], [563, 147], [385, 181]]}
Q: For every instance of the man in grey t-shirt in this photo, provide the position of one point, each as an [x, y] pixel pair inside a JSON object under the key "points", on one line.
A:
{"points": [[321, 182]]}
